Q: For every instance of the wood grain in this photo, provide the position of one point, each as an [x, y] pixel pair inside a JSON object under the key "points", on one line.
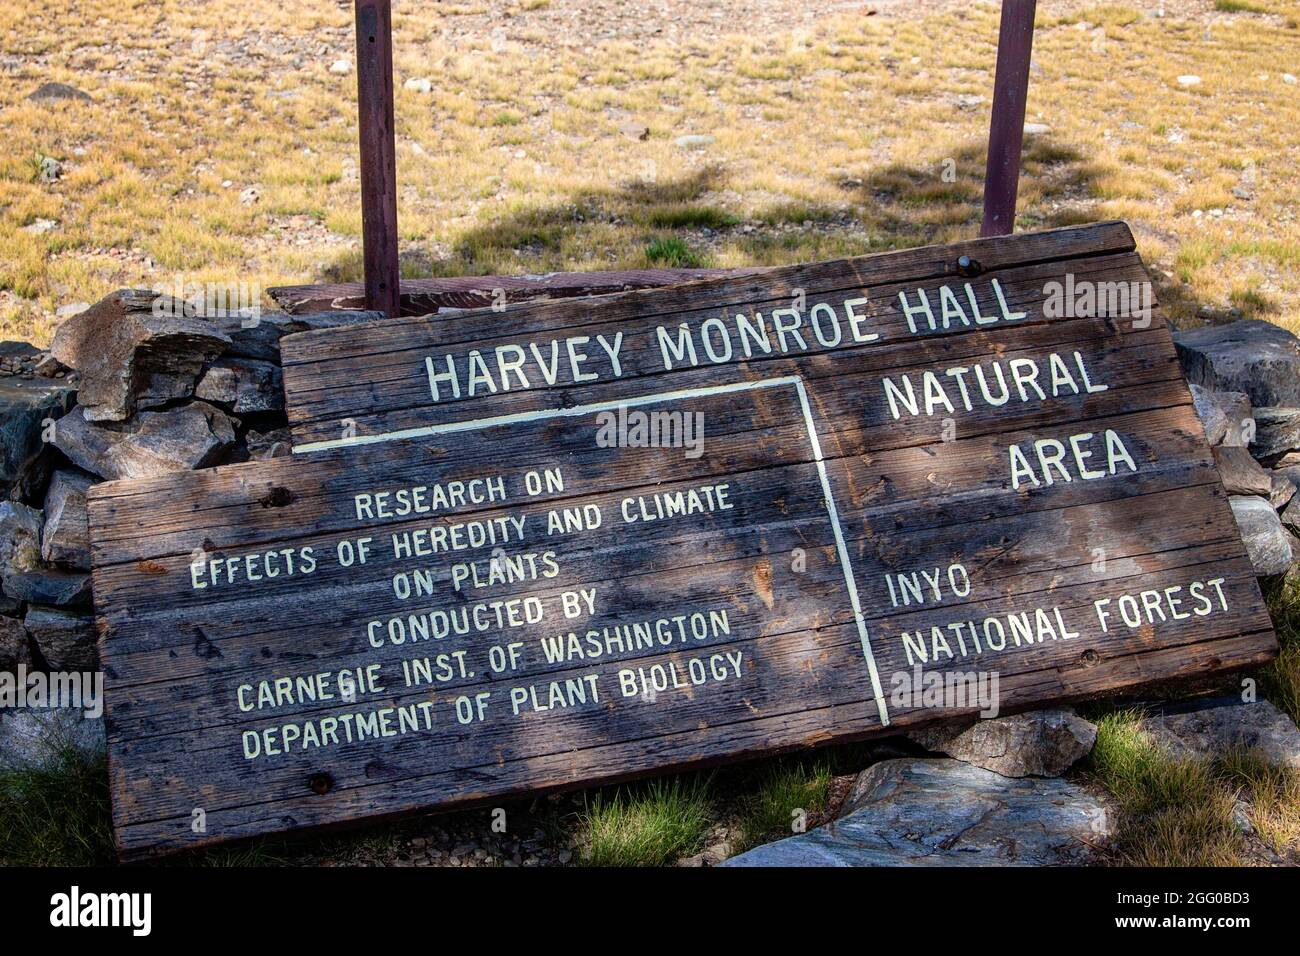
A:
{"points": [[863, 547]]}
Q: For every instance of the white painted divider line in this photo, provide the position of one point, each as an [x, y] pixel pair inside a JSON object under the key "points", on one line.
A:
{"points": [[843, 549], [473, 424]]}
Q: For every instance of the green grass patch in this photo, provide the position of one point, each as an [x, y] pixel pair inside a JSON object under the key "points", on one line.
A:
{"points": [[651, 825], [1173, 812], [788, 793], [1280, 680], [57, 815], [690, 217], [672, 253], [1239, 6]]}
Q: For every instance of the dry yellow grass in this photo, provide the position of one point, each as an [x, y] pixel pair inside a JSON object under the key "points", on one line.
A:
{"points": [[830, 139]]}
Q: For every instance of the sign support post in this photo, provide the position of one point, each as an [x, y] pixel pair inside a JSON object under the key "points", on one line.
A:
{"points": [[378, 155], [1007, 126]]}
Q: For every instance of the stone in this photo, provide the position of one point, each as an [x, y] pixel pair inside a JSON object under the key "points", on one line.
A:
{"points": [[49, 169], [695, 141], [66, 538], [1210, 728], [418, 84], [150, 444], [53, 92], [277, 443], [341, 67], [1249, 355], [1283, 486], [1040, 743], [635, 131], [65, 638], [1189, 79], [1277, 432], [245, 386], [1225, 415], [711, 855], [1267, 543], [48, 586], [18, 358], [20, 537], [14, 649], [1291, 516], [26, 404], [920, 812], [1241, 473], [257, 336], [1037, 129], [41, 737], [135, 349]]}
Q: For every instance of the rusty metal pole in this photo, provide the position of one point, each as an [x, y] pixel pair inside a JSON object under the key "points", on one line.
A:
{"points": [[1007, 126], [378, 154]]}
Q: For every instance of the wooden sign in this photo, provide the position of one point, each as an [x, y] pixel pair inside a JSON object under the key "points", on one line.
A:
{"points": [[575, 542]]}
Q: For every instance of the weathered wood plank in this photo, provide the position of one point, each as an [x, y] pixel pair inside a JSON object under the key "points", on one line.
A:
{"points": [[547, 600], [427, 296]]}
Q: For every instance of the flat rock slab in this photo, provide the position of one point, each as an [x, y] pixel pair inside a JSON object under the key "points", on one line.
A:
{"points": [[1251, 356], [25, 403], [1211, 728], [135, 349], [66, 538], [916, 812], [1241, 473], [1267, 542], [1224, 415], [150, 444], [1040, 743], [34, 738]]}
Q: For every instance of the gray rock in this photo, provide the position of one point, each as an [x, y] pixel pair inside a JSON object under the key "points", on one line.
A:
{"points": [[35, 738], [915, 812], [1290, 516], [14, 649], [53, 92], [47, 586], [25, 404], [245, 386], [277, 443], [135, 349], [1041, 743], [1267, 543], [1241, 473], [695, 141], [1277, 431], [1283, 485], [1211, 728], [49, 169], [66, 538], [66, 639], [1224, 415], [20, 537], [258, 336], [1250, 355], [150, 444]]}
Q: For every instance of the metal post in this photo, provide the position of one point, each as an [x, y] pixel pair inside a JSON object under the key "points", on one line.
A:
{"points": [[1007, 126], [378, 154]]}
